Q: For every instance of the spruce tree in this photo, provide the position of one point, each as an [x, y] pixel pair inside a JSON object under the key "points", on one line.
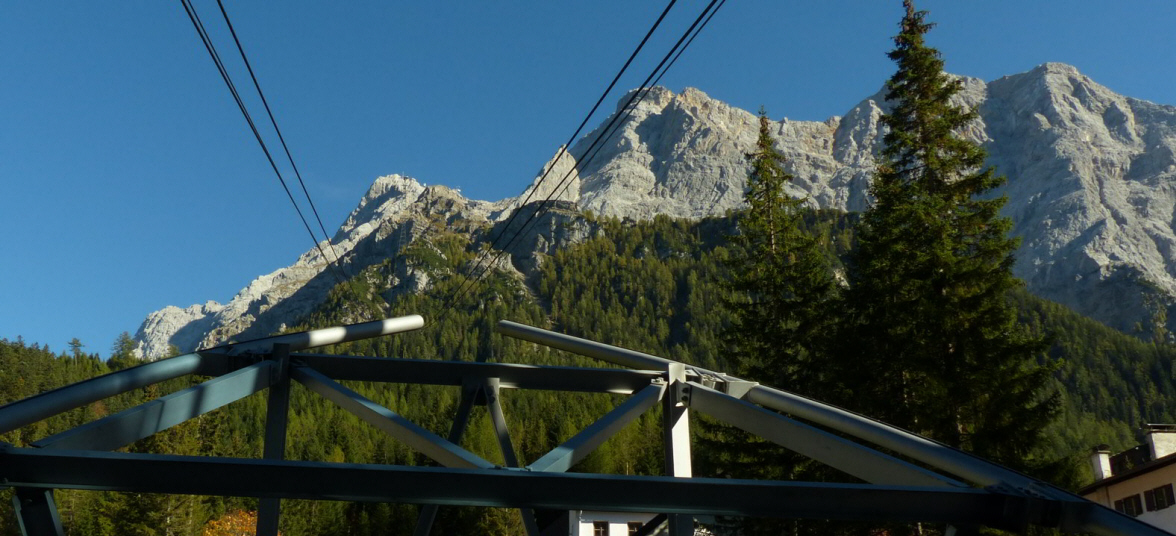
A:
{"points": [[933, 345], [779, 294], [781, 286]]}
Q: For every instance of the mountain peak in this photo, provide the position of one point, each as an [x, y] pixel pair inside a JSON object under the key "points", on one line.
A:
{"points": [[393, 182], [1053, 67], [388, 196]]}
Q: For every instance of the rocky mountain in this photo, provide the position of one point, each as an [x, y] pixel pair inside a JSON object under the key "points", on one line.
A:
{"points": [[1092, 192], [394, 211]]}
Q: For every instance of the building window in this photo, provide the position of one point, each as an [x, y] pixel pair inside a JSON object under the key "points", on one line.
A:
{"points": [[1131, 506], [1159, 498], [600, 528], [635, 526]]}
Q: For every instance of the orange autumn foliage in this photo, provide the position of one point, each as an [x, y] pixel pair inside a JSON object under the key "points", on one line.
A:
{"points": [[237, 523]]}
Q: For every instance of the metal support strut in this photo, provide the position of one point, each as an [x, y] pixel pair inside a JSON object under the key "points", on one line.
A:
{"points": [[677, 431], [276, 412]]}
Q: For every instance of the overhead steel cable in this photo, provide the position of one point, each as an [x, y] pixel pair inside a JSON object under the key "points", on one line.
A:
{"points": [[619, 119], [563, 149], [635, 99], [198, 24], [629, 111], [273, 121], [286, 148]]}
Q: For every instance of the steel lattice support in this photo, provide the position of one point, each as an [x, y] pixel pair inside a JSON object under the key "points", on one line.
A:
{"points": [[916, 480], [1074, 514]]}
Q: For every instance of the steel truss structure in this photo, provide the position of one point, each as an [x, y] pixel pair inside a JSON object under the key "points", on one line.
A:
{"points": [[929, 483]]}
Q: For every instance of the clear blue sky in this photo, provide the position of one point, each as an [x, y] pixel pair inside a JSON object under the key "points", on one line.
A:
{"points": [[129, 181]]}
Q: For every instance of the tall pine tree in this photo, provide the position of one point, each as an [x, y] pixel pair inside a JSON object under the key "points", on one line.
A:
{"points": [[932, 344]]}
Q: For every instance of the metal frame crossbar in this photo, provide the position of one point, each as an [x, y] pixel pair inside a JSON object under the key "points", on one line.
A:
{"points": [[915, 480]]}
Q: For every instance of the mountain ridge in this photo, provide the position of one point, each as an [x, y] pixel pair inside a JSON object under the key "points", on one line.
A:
{"points": [[1090, 188]]}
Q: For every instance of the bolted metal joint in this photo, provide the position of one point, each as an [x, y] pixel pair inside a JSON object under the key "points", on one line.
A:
{"points": [[682, 392]]}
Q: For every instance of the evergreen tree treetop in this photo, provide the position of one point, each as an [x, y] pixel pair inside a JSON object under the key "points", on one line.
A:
{"points": [[921, 144]]}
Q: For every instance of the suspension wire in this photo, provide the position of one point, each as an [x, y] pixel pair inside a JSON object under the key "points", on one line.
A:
{"points": [[198, 24], [639, 95], [562, 151], [564, 148], [628, 109]]}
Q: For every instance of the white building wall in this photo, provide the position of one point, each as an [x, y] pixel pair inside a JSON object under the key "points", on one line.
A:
{"points": [[618, 522], [1164, 519]]}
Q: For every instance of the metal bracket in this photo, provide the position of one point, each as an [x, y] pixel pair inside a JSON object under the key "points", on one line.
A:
{"points": [[737, 388]]}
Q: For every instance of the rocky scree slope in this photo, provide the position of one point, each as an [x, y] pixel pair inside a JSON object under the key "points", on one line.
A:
{"points": [[1092, 193]]}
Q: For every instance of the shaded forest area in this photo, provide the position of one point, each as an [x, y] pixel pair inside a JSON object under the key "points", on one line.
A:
{"points": [[655, 286]]}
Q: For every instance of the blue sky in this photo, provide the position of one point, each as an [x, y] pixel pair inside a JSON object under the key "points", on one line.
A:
{"points": [[129, 181]]}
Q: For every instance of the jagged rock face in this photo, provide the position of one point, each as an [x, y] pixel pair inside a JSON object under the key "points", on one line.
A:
{"points": [[1091, 177], [1091, 187], [680, 155], [184, 328]]}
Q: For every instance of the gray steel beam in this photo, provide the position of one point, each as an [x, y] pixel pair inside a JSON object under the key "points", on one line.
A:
{"points": [[36, 512], [841, 454], [141, 421], [498, 420], [30, 410], [516, 488], [576, 345], [510, 376], [218, 363], [935, 454], [277, 412], [323, 337], [570, 452], [424, 441]]}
